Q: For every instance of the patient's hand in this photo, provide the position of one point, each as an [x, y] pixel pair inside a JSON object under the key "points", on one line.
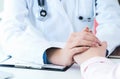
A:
{"points": [[98, 51]]}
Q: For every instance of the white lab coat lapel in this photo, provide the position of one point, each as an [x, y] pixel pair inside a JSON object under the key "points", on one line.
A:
{"points": [[61, 10], [57, 22]]}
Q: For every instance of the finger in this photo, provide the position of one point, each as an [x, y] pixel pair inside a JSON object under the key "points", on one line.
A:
{"points": [[86, 29], [92, 37], [76, 39], [86, 36], [76, 58], [83, 43], [83, 35], [91, 31], [79, 50]]}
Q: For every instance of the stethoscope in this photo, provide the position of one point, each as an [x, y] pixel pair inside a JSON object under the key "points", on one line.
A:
{"points": [[43, 13]]}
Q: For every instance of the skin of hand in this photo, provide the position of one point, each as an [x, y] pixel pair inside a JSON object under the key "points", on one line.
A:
{"points": [[77, 43], [98, 51]]}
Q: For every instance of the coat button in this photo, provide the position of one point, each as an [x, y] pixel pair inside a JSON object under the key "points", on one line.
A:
{"points": [[96, 14], [80, 17]]}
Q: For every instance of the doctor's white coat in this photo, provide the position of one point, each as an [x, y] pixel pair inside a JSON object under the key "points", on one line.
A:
{"points": [[24, 35]]}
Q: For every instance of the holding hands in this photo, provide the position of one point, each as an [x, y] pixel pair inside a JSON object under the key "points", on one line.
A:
{"points": [[77, 44], [99, 51]]}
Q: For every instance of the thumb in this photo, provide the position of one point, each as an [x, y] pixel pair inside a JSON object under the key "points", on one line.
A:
{"points": [[86, 29]]}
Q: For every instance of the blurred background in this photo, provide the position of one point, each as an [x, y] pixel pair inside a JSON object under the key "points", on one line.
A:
{"points": [[1, 5], [1, 9]]}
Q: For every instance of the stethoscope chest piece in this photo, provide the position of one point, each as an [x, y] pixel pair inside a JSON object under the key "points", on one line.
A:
{"points": [[43, 13]]}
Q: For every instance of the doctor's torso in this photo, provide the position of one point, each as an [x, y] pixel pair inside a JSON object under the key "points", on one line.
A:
{"points": [[63, 17], [24, 30]]}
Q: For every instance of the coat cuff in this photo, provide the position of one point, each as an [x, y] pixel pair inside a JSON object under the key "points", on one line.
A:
{"points": [[45, 59]]}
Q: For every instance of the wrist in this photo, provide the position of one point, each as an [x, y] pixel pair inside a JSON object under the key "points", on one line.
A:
{"points": [[59, 57], [79, 59], [45, 59], [53, 55]]}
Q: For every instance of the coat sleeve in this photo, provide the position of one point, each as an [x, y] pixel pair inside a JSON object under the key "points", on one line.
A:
{"points": [[100, 68], [108, 18], [18, 36]]}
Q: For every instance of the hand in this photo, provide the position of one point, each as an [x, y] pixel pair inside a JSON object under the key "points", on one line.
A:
{"points": [[77, 43], [83, 38], [99, 51], [63, 56]]}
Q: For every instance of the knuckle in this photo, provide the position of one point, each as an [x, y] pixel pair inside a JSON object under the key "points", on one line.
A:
{"points": [[83, 37]]}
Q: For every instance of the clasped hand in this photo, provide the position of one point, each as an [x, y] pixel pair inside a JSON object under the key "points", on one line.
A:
{"points": [[79, 47]]}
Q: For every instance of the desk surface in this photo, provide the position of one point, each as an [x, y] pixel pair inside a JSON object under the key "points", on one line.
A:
{"points": [[71, 73]]}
